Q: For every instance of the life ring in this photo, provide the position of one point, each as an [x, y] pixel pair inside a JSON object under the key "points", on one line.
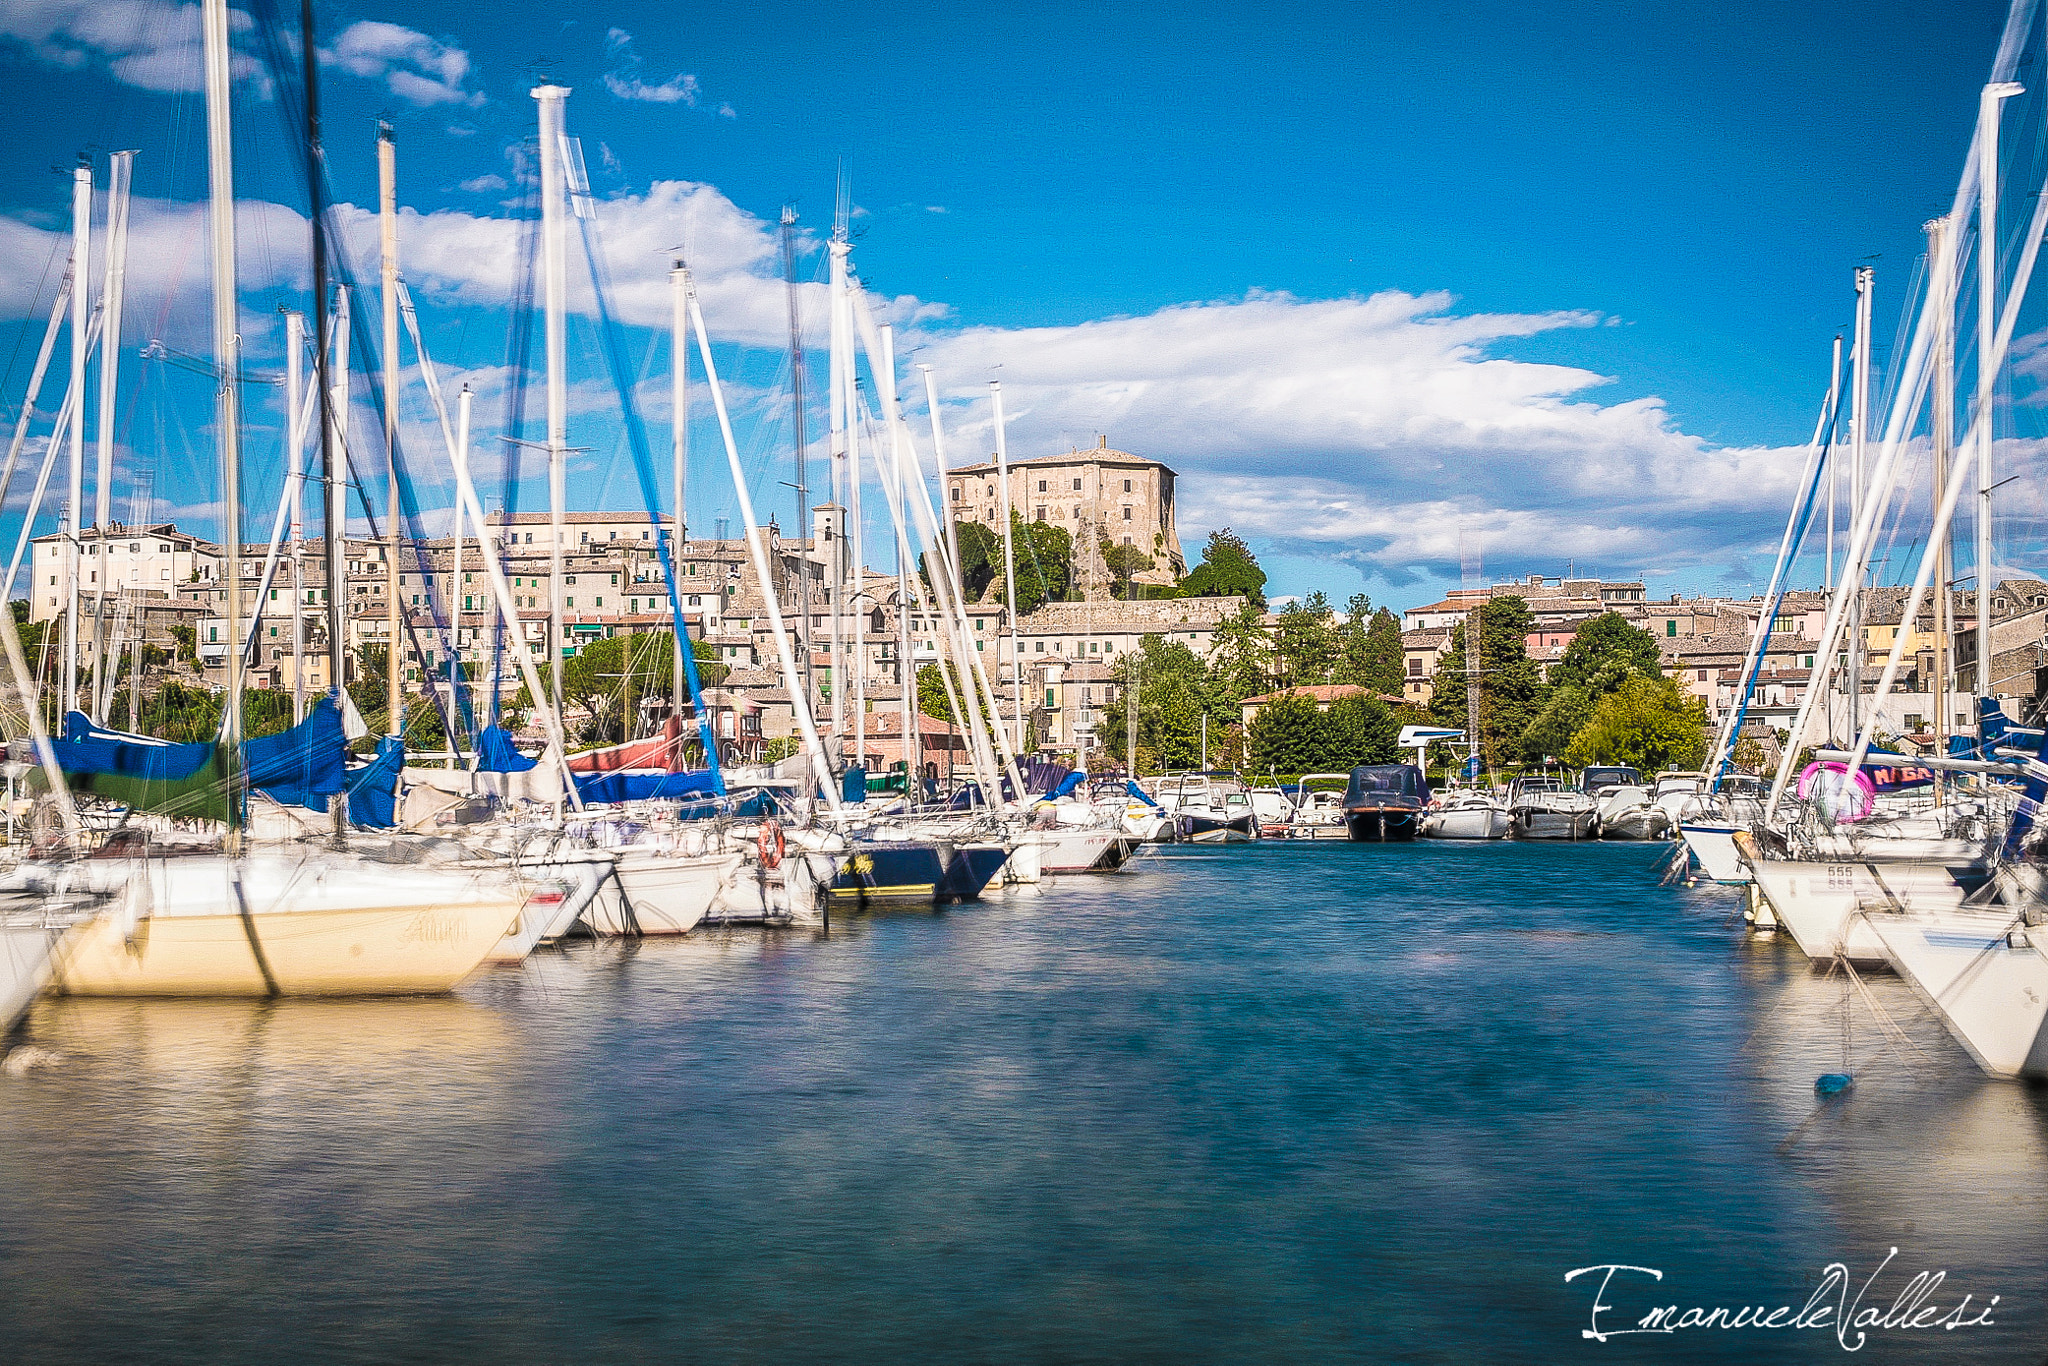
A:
{"points": [[1845, 797], [769, 844]]}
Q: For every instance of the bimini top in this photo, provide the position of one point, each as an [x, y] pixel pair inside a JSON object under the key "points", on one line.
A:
{"points": [[1386, 785]]}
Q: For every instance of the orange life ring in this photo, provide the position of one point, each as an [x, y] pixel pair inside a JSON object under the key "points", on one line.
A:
{"points": [[770, 845]]}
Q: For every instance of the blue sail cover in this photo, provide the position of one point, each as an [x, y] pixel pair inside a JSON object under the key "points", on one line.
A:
{"points": [[90, 749], [373, 788], [628, 786], [302, 766], [1140, 794], [305, 765], [495, 753]]}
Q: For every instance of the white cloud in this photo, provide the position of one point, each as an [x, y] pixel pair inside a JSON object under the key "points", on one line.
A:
{"points": [[484, 184], [420, 70], [150, 44], [625, 82], [1373, 430]]}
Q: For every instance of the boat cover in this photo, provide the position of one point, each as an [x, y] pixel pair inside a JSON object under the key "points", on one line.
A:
{"points": [[302, 766], [495, 752], [640, 787]]}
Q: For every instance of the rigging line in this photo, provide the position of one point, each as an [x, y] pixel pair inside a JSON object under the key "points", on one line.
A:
{"points": [[58, 249]]}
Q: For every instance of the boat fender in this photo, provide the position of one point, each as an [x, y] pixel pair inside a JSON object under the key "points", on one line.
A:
{"points": [[770, 844], [1833, 1083]]}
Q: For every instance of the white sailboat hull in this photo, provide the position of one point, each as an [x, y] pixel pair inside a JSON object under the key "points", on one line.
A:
{"points": [[1713, 847], [1822, 905], [653, 893], [25, 950], [1985, 974]]}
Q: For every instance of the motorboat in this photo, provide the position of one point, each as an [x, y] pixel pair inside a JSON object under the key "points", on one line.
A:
{"points": [[1385, 802], [1274, 810], [1319, 808], [1627, 810], [1220, 812], [1544, 807], [1466, 814]]}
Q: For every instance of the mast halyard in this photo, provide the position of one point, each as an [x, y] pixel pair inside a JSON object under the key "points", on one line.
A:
{"points": [[1941, 297], [679, 449], [1859, 424]]}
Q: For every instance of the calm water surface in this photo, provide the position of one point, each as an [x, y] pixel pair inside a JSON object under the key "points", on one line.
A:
{"points": [[1277, 1103]]}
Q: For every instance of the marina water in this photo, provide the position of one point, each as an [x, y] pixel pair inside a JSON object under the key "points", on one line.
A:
{"points": [[1264, 1103]]}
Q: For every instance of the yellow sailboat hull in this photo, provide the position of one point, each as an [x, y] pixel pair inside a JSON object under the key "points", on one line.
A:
{"points": [[389, 951], [181, 928]]}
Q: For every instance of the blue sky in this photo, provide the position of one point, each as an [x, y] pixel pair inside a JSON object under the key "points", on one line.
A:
{"points": [[1559, 278]]}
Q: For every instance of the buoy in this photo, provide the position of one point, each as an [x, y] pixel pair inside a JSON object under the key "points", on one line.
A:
{"points": [[1833, 1083]]}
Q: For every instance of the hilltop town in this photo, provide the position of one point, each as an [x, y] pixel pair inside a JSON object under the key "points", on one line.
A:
{"points": [[1102, 571]]}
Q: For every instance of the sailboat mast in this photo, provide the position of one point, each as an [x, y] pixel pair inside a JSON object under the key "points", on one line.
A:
{"points": [[679, 446], [554, 270], [1859, 424], [295, 457], [120, 173], [995, 393], [1988, 109], [797, 427], [331, 418], [387, 237], [906, 676], [834, 571], [227, 360], [81, 263], [1941, 298]]}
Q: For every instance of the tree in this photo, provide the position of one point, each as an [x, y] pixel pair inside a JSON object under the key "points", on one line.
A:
{"points": [[609, 679], [1123, 563], [1241, 654], [1362, 730], [1045, 563], [1511, 690], [1292, 735], [1175, 691], [1605, 653], [1647, 724], [1289, 735], [1371, 645], [1227, 570], [1570, 707], [1306, 645], [932, 691], [981, 558]]}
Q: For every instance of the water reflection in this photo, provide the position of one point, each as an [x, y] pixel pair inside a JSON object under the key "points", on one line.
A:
{"points": [[1269, 1104]]}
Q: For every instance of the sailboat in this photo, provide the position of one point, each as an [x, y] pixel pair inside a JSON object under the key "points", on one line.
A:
{"points": [[239, 920]]}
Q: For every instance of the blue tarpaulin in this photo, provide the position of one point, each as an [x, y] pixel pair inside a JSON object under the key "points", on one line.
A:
{"points": [[495, 752]]}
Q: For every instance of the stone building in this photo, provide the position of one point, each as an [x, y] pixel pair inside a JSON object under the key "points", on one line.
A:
{"points": [[1099, 497]]}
